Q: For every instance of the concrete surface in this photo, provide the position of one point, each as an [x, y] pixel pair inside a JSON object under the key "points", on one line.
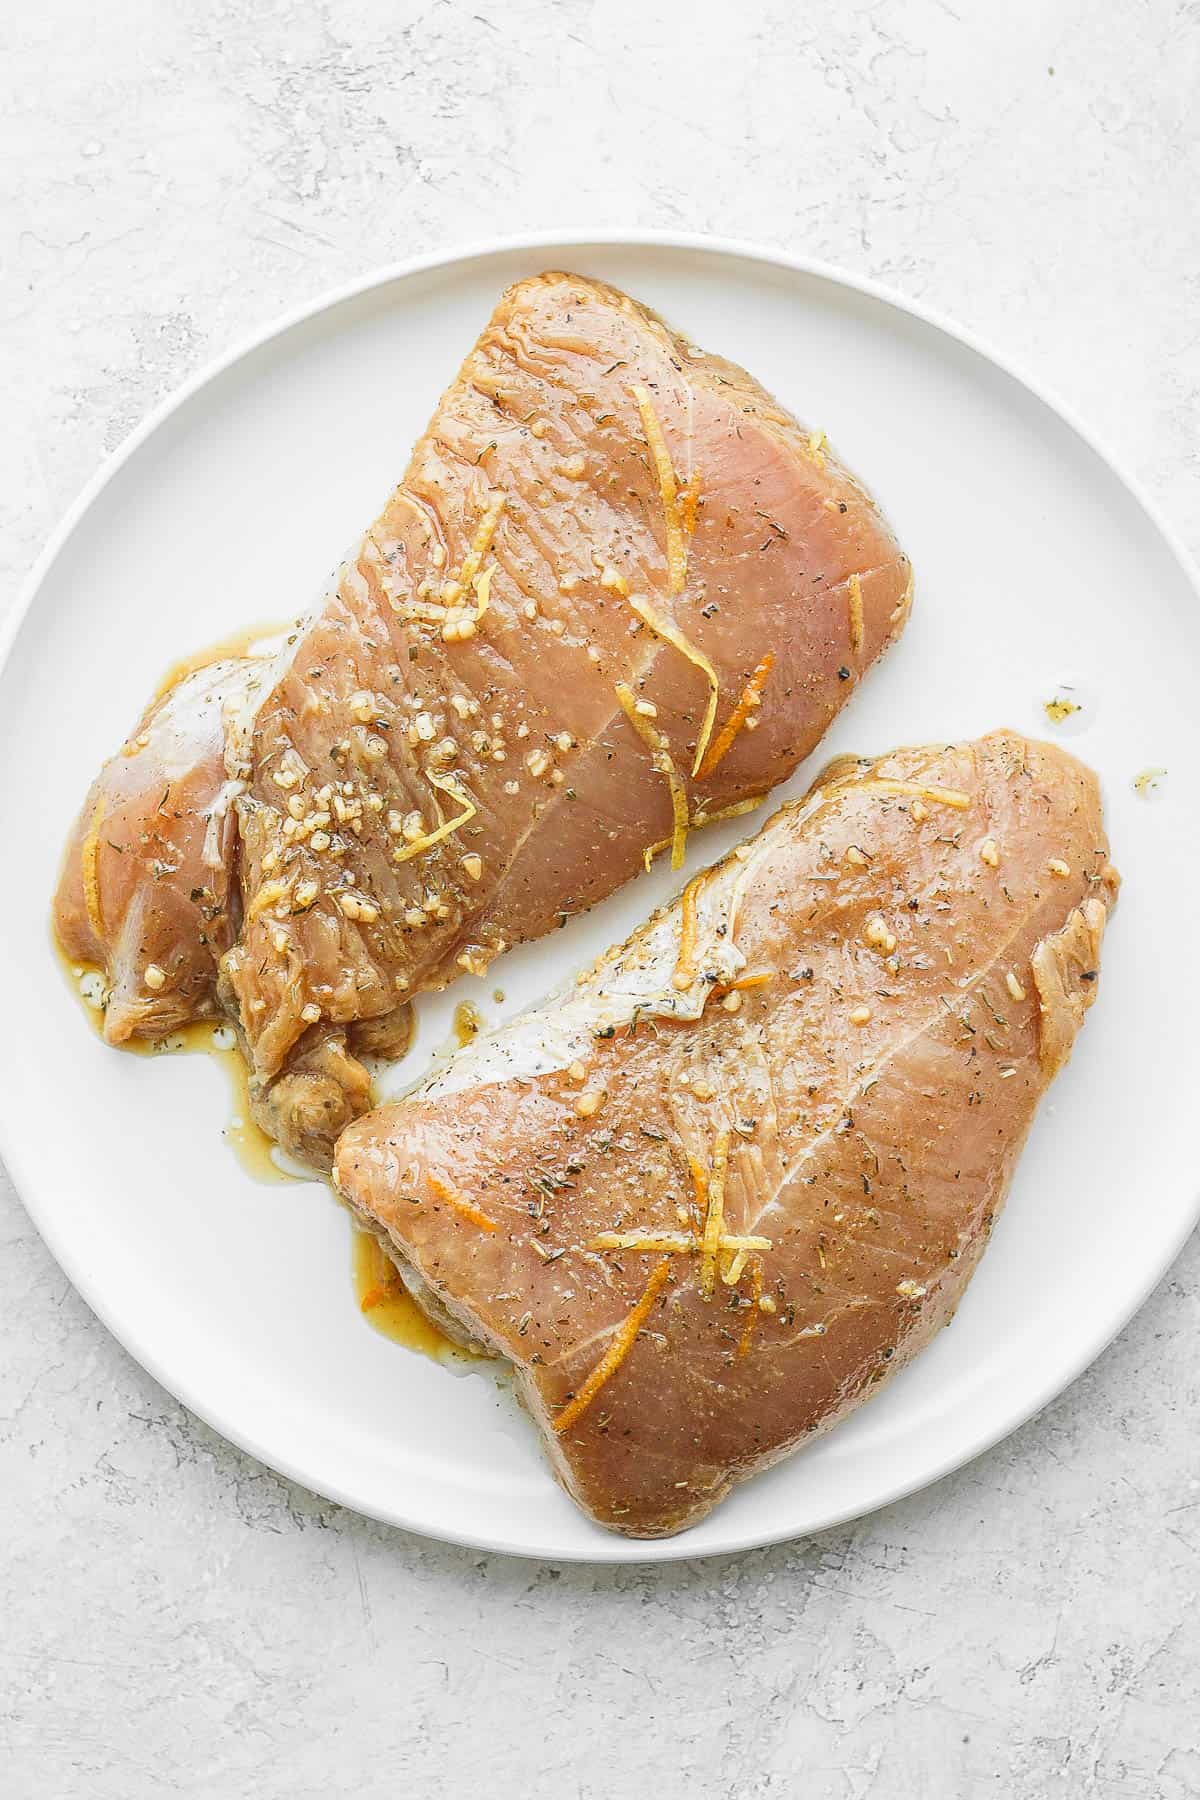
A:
{"points": [[174, 1620]]}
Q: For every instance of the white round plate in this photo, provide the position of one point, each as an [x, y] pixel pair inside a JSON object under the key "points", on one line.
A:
{"points": [[1035, 562]]}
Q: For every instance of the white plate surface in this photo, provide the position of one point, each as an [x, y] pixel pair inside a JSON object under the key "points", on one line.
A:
{"points": [[1034, 560]]}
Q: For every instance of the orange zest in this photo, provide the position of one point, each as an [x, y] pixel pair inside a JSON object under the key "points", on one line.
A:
{"points": [[751, 697], [617, 1351], [685, 963], [381, 1271], [461, 1204], [375, 1296], [756, 1284], [743, 985]]}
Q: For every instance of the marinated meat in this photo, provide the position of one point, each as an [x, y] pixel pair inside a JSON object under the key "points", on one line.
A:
{"points": [[709, 1197], [619, 592]]}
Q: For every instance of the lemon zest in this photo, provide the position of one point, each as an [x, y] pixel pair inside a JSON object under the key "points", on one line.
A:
{"points": [[269, 894], [676, 542], [660, 755], [732, 1273], [714, 1217], [684, 1243], [448, 785], [671, 634], [856, 614], [940, 796]]}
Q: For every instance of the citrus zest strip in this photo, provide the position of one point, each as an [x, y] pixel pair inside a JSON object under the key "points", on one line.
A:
{"points": [[461, 1204], [681, 1243], [660, 755], [715, 1216], [728, 812], [756, 1284], [751, 696], [657, 443], [617, 1351], [448, 786], [685, 963], [671, 634]]}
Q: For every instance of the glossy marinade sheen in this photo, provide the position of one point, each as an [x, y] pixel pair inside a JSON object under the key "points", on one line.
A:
{"points": [[858, 1012], [590, 484]]}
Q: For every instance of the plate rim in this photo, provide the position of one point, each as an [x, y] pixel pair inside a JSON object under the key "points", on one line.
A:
{"points": [[606, 1549]]}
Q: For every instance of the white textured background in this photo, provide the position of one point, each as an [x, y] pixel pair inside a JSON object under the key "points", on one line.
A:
{"points": [[174, 1620]]}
